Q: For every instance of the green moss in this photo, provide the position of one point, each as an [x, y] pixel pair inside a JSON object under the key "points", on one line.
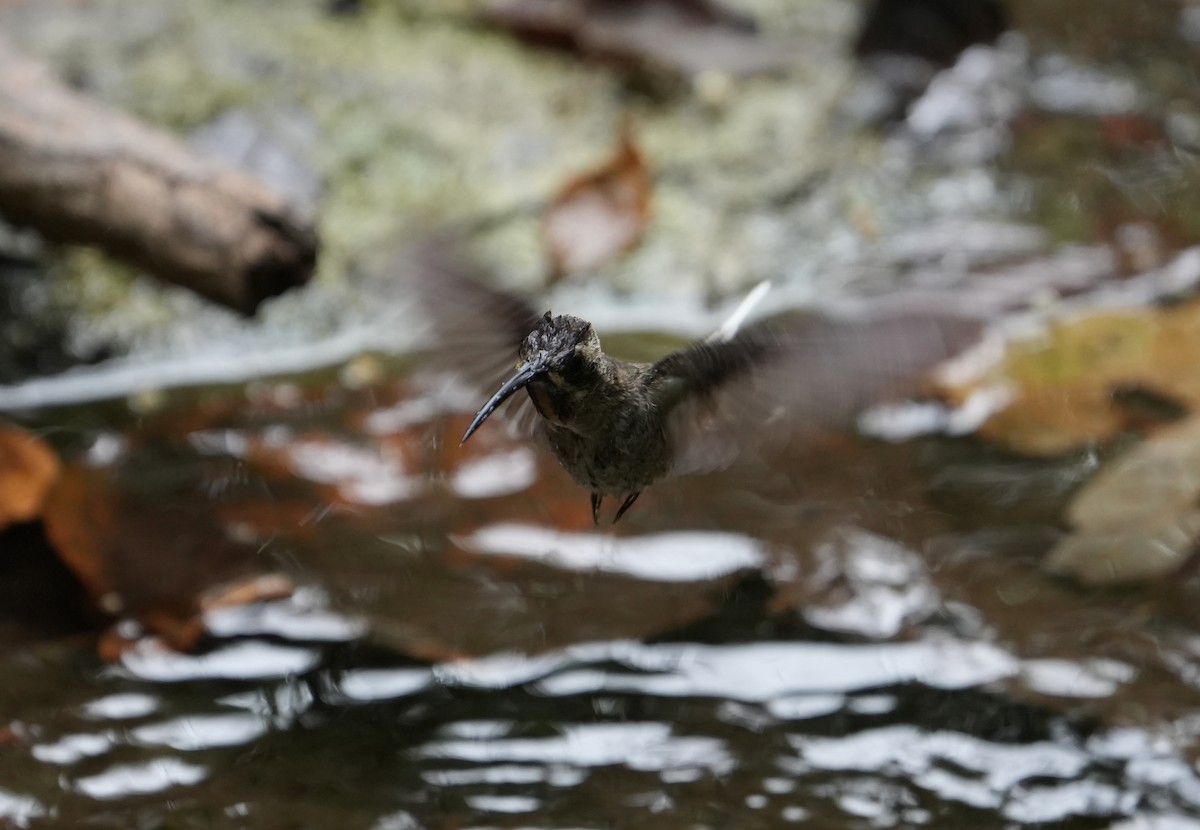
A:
{"points": [[169, 87]]}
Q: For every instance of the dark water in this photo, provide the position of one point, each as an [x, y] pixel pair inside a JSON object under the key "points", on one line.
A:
{"points": [[767, 733], [845, 652]]}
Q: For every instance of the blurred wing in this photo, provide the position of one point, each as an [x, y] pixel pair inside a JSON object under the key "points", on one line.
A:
{"points": [[476, 327], [778, 378]]}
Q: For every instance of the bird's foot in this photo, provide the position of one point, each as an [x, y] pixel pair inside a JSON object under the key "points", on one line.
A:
{"points": [[596, 499], [625, 505]]}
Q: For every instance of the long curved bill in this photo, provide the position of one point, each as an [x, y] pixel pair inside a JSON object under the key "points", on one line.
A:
{"points": [[517, 382]]}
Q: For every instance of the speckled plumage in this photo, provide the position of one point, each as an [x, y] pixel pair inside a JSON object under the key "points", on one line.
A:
{"points": [[603, 418], [618, 427]]}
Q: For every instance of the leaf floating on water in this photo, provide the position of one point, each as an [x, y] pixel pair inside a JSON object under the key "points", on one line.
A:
{"points": [[27, 469], [600, 214], [81, 523], [1070, 386], [686, 36], [147, 558], [1138, 520]]}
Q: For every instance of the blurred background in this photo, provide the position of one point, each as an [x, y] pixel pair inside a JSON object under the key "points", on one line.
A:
{"points": [[249, 578]]}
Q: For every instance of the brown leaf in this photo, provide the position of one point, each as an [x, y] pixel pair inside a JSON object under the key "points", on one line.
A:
{"points": [[146, 557], [81, 523], [27, 469], [600, 214], [686, 36]]}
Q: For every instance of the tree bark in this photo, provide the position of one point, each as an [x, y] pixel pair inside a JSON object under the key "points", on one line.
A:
{"points": [[79, 172]]}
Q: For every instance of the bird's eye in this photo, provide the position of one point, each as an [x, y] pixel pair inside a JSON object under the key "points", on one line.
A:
{"points": [[574, 363]]}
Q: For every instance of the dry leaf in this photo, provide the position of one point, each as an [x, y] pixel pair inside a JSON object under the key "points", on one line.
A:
{"points": [[81, 522], [600, 214], [27, 469], [687, 36], [1067, 384]]}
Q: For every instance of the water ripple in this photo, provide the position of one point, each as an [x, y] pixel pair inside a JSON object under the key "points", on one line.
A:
{"points": [[759, 672], [138, 779], [250, 660], [661, 557]]}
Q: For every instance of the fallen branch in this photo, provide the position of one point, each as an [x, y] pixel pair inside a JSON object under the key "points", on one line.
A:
{"points": [[81, 173]]}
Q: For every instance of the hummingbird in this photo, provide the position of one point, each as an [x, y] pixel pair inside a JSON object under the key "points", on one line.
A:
{"points": [[618, 427]]}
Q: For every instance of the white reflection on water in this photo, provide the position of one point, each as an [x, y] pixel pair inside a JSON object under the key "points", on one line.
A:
{"points": [[503, 803], [303, 616], [905, 748], [556, 775], [477, 729], [639, 746], [194, 732], [871, 704], [801, 707], [795, 679], [498, 474], [19, 809], [1037, 805], [1158, 822], [121, 706], [363, 475], [1076, 678], [71, 748], [408, 412], [877, 585], [759, 672], [495, 671], [660, 557], [397, 821], [500, 671], [499, 774], [250, 660], [1167, 773], [383, 684], [1030, 783], [135, 779]]}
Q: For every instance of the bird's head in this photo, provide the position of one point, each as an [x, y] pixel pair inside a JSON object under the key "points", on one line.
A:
{"points": [[558, 358]]}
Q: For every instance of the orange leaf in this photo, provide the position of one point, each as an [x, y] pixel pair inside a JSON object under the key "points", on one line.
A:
{"points": [[27, 469], [81, 522], [600, 214]]}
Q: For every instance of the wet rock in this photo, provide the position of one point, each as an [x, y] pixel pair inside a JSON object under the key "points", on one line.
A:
{"points": [[1137, 520], [274, 145]]}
